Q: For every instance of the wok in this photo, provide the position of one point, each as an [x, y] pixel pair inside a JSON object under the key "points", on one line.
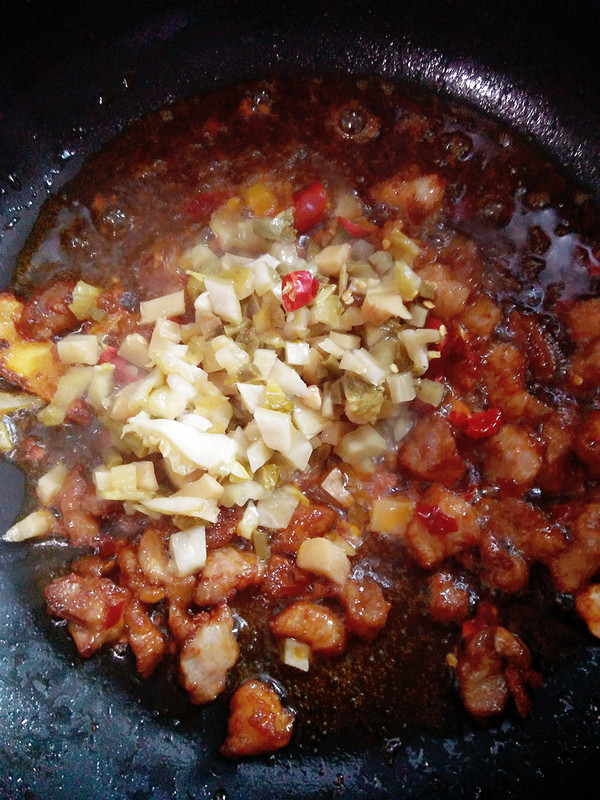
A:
{"points": [[73, 75]]}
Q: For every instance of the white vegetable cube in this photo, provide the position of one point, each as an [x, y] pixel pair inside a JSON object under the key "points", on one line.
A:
{"points": [[207, 487], [38, 523], [347, 341], [78, 348], [70, 387], [224, 299], [323, 557], [134, 348], [101, 385], [381, 304], [401, 386], [84, 303], [165, 334], [265, 360], [391, 514], [407, 281], [308, 422], [277, 509], [49, 484], [296, 654], [188, 549], [275, 428], [362, 363], [133, 481], [297, 353], [10, 401], [300, 451], [251, 394], [334, 485], [265, 275], [258, 454], [228, 355], [249, 522], [288, 379], [431, 392], [360, 445], [166, 306], [332, 258]]}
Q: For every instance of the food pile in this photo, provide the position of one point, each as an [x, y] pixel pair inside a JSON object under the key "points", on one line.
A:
{"points": [[303, 376]]}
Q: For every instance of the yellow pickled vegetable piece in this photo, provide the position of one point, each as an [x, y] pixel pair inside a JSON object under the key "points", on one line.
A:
{"points": [[29, 365]]}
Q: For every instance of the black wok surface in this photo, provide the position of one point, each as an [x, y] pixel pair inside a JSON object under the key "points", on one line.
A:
{"points": [[71, 76]]}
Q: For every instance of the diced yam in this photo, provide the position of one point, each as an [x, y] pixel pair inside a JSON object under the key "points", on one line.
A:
{"points": [[38, 523], [265, 360], [290, 382], [78, 348], [391, 514], [300, 452], [296, 654], [323, 557], [431, 392], [297, 353], [332, 258], [275, 428], [360, 446], [249, 521], [251, 394], [207, 487], [183, 506], [334, 485], [134, 348], [277, 509], [258, 454], [101, 385], [224, 299], [401, 386], [167, 306], [381, 303], [49, 484], [70, 388], [362, 363], [132, 481], [188, 549], [11, 401]]}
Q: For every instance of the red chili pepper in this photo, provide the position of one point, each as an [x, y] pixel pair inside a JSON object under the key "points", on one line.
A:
{"points": [[124, 371], [435, 520], [358, 227], [309, 206], [453, 350], [478, 425], [298, 289], [113, 614], [202, 205]]}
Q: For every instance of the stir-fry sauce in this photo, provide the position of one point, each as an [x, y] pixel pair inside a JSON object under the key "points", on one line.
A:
{"points": [[307, 372]]}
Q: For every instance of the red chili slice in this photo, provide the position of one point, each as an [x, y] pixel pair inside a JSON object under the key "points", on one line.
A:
{"points": [[309, 206], [298, 289], [435, 520], [113, 614], [478, 425], [358, 227]]}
